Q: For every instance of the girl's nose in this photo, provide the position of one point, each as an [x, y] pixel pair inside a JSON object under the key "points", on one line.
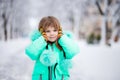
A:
{"points": [[52, 33]]}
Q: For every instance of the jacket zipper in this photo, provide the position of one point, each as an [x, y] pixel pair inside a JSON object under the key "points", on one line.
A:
{"points": [[50, 68], [62, 77], [40, 76], [50, 73]]}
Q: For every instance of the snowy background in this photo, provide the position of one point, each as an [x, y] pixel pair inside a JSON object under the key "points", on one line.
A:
{"points": [[94, 62], [98, 60]]}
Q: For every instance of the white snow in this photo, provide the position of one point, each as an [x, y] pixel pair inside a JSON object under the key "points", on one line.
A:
{"points": [[97, 62], [94, 62], [14, 64]]}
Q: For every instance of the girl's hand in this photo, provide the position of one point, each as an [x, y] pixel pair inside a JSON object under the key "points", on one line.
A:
{"points": [[60, 33], [45, 36]]}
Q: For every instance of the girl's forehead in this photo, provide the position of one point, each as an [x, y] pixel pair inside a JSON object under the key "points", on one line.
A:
{"points": [[51, 27]]}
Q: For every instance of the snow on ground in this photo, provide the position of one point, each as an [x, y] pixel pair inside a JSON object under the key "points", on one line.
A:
{"points": [[94, 62], [14, 64]]}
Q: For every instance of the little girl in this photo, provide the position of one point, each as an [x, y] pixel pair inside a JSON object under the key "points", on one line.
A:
{"points": [[52, 51]]}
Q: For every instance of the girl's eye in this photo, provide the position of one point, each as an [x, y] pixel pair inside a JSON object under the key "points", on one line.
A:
{"points": [[55, 30], [47, 31]]}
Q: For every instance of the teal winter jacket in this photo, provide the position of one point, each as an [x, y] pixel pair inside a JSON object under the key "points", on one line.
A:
{"points": [[50, 61]]}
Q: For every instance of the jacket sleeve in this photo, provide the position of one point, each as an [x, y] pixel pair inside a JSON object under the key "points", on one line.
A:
{"points": [[35, 48], [69, 46]]}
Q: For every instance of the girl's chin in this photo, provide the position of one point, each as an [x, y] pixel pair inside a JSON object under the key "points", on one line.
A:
{"points": [[52, 40]]}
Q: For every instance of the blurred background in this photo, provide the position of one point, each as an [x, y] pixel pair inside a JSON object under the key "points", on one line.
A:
{"points": [[94, 23]]}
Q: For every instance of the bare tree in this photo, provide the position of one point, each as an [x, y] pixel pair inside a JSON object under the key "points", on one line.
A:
{"points": [[116, 25], [5, 14], [106, 10], [5, 25]]}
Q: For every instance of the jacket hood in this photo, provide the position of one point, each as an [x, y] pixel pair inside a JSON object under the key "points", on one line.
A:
{"points": [[36, 34]]}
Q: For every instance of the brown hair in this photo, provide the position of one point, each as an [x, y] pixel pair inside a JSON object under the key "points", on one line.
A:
{"points": [[50, 21]]}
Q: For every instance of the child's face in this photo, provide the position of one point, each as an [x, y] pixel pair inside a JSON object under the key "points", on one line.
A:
{"points": [[51, 33]]}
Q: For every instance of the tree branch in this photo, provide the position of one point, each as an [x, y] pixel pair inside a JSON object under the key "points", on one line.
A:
{"points": [[109, 2], [99, 8]]}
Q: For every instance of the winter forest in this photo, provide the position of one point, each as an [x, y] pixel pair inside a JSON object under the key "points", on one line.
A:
{"points": [[97, 18], [94, 23]]}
